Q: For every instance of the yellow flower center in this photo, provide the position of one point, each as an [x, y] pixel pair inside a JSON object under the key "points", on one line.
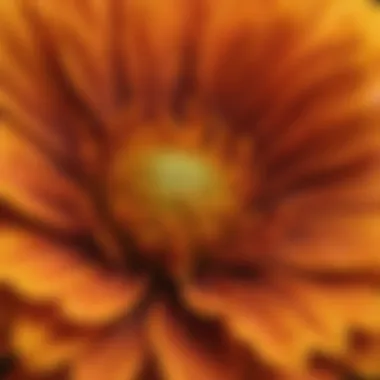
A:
{"points": [[180, 179], [178, 188], [182, 186]]}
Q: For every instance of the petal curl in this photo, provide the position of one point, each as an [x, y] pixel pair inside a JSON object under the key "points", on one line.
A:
{"points": [[42, 271]]}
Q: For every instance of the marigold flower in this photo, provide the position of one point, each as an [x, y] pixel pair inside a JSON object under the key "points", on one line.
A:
{"points": [[189, 189]]}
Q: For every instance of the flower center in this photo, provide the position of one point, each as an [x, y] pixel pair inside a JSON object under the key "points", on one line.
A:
{"points": [[181, 185], [175, 190], [169, 194], [178, 178]]}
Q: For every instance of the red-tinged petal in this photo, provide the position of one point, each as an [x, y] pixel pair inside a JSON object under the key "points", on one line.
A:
{"points": [[246, 47], [8, 306], [117, 356], [282, 331], [41, 271], [358, 194], [335, 307], [327, 163], [339, 109], [82, 38], [29, 96], [318, 375], [154, 32], [22, 374], [40, 101], [364, 356], [187, 348], [335, 97], [332, 243], [35, 186]]}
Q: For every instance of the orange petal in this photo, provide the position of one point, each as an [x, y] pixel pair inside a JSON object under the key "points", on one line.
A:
{"points": [[360, 303], [28, 94], [153, 33], [262, 316], [42, 271], [117, 356], [33, 184], [43, 343], [318, 375], [335, 308], [345, 242], [98, 298], [187, 348], [244, 45], [353, 194], [81, 37]]}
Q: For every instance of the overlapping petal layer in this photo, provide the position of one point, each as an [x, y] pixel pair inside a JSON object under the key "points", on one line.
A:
{"points": [[45, 272]]}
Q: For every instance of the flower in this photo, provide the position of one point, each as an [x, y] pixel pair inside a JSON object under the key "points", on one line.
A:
{"points": [[189, 189]]}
